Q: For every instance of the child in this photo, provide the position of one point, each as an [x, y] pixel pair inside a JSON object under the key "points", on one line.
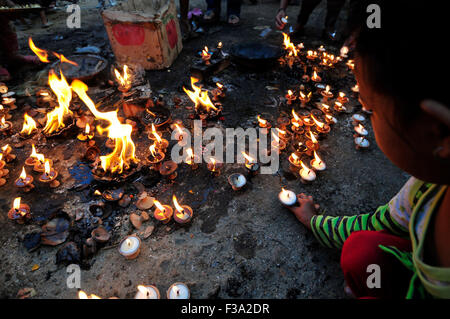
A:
{"points": [[408, 238]]}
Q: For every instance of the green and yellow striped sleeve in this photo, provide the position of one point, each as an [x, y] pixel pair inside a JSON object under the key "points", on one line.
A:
{"points": [[333, 231]]}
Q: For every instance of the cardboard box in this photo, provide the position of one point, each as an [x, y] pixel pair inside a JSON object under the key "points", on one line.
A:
{"points": [[144, 33]]}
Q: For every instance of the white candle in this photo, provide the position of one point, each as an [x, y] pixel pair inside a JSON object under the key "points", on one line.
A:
{"points": [[361, 130], [287, 197], [178, 291], [317, 163], [129, 246], [306, 173], [147, 292]]}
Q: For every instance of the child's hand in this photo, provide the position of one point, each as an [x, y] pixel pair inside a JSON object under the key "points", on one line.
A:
{"points": [[306, 209]]}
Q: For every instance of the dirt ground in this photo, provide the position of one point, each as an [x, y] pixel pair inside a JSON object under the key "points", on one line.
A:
{"points": [[239, 245]]}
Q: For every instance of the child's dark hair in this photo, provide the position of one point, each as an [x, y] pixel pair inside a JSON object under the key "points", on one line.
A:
{"points": [[407, 58]]}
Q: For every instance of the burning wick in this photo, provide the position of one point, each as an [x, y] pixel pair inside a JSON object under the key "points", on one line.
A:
{"points": [[206, 56], [277, 145], [214, 167], [130, 247], [250, 163], [327, 94], [361, 130], [49, 175], [315, 77], [29, 125], [183, 213], [24, 181], [317, 163], [351, 64], [342, 98], [287, 197], [304, 98], [147, 292], [124, 80], [163, 213], [191, 159], [178, 290], [87, 134], [294, 160], [339, 107], [5, 126], [7, 154], [290, 97]]}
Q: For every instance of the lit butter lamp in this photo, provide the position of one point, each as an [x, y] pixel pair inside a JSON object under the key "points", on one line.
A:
{"points": [[192, 159], [183, 213], [296, 121], [214, 167], [39, 164], [219, 92], [361, 130], [320, 126], [287, 197], [29, 126], [87, 135], [290, 97], [5, 112], [124, 80], [277, 145], [304, 98], [178, 290], [312, 142], [342, 98], [5, 126], [25, 181], [338, 106], [147, 292], [32, 159], [327, 94], [250, 164], [317, 164], [283, 134], [3, 171], [20, 212], [311, 55], [264, 125], [206, 56], [7, 154], [307, 121], [180, 134], [163, 213], [130, 247], [307, 175], [330, 119], [315, 77], [49, 176], [160, 142], [156, 157], [294, 162]]}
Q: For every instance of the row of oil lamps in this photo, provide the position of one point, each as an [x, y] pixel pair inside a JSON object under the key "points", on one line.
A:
{"points": [[177, 290]]}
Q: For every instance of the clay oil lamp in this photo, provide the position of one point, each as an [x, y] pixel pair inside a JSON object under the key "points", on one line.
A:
{"points": [[206, 56], [3, 171], [169, 169], [147, 292], [361, 142], [219, 92], [315, 77], [290, 97], [312, 143], [6, 151], [9, 101], [178, 290], [214, 167], [325, 108], [191, 159], [277, 144], [156, 157], [294, 162], [301, 148], [49, 175], [264, 125], [183, 213], [250, 164], [307, 121], [237, 181], [338, 106], [296, 120], [3, 88], [283, 122], [29, 126], [32, 159], [361, 130], [287, 197], [351, 64], [24, 181], [297, 129], [5, 126], [163, 213], [317, 164], [321, 127], [307, 175], [160, 142], [342, 98], [321, 49], [123, 80], [4, 113], [285, 135], [311, 55], [130, 247], [327, 94], [357, 119], [329, 119], [87, 135], [39, 165], [180, 134], [20, 212], [304, 98]]}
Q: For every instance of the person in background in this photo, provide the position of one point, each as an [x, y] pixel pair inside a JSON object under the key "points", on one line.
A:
{"points": [[307, 7], [233, 11], [9, 50], [406, 241]]}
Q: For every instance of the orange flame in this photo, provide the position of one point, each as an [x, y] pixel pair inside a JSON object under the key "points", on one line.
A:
{"points": [[153, 151], [16, 204], [125, 79], [248, 158], [313, 137], [262, 122], [177, 206], [29, 125], [63, 59], [82, 295], [159, 206], [318, 123], [275, 137], [55, 118], [41, 54], [199, 97], [23, 174], [124, 149], [296, 117], [47, 167], [288, 45], [317, 159]]}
